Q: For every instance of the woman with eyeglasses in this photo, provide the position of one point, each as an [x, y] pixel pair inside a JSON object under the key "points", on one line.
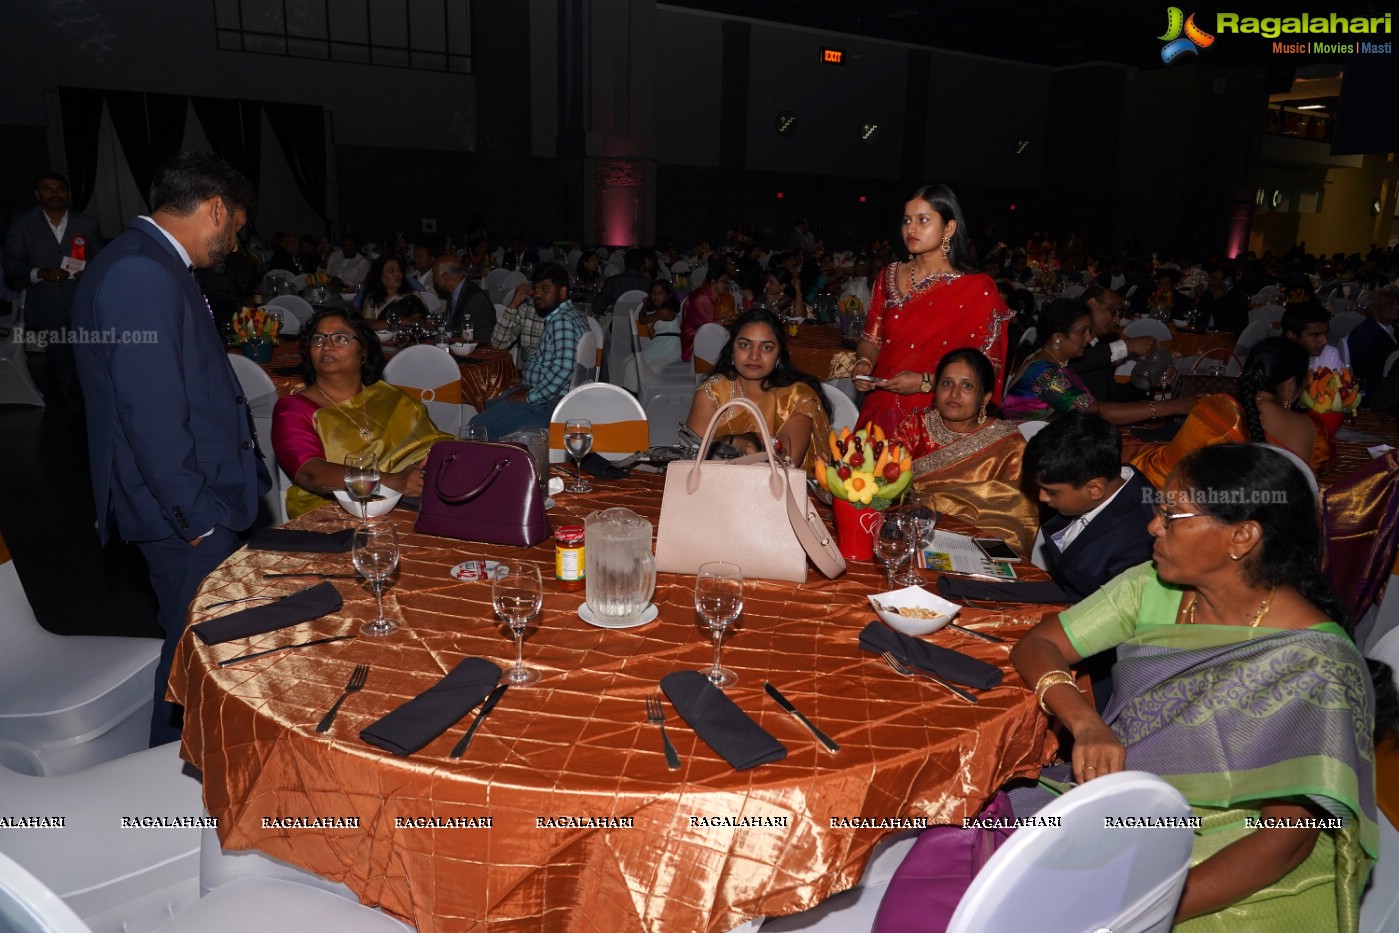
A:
{"points": [[346, 408], [1237, 683]]}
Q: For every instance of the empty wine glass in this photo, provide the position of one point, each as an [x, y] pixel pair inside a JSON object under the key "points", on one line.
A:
{"points": [[362, 479], [891, 542], [577, 441], [920, 522], [375, 557], [719, 599], [474, 432], [517, 593]]}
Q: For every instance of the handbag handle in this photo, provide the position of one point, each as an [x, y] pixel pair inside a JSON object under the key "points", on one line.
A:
{"points": [[470, 494], [777, 482]]}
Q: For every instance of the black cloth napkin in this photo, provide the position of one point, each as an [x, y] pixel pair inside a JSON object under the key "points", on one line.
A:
{"points": [[1020, 591], [599, 467], [724, 727], [944, 662], [302, 606], [435, 710], [287, 539]]}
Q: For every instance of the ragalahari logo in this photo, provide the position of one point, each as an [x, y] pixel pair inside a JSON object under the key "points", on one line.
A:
{"points": [[1176, 44]]}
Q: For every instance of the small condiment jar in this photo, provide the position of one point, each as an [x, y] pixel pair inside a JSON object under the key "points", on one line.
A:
{"points": [[569, 557]]}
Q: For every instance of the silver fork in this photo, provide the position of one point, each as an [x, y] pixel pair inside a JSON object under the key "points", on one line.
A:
{"points": [[655, 715], [903, 670], [357, 681]]}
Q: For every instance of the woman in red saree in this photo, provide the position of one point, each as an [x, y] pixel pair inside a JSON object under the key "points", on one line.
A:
{"points": [[925, 307]]}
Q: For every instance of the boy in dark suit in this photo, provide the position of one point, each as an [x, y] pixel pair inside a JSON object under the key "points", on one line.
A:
{"points": [[1102, 509]]}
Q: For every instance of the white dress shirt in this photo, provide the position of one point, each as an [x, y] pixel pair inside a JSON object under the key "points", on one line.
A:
{"points": [[60, 230], [1066, 535]]}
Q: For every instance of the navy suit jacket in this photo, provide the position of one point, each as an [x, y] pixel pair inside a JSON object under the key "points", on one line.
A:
{"points": [[30, 244], [1115, 540], [169, 435], [1370, 346], [1096, 367]]}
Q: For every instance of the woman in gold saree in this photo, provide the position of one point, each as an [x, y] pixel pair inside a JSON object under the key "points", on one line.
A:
{"points": [[346, 408], [966, 463]]}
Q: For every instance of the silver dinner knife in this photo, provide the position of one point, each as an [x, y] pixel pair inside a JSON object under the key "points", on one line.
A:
{"points": [[786, 704], [486, 707]]}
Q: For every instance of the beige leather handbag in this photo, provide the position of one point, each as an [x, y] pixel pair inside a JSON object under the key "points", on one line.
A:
{"points": [[752, 512]]}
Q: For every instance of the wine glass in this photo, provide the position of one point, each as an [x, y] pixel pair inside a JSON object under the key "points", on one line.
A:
{"points": [[891, 542], [376, 556], [920, 521], [474, 432], [517, 592], [719, 599], [362, 479], [577, 441]]}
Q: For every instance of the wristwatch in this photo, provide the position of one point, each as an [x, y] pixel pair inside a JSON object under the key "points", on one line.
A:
{"points": [[926, 385]]}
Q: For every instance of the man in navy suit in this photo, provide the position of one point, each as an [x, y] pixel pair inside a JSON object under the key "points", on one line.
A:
{"points": [[1374, 339], [45, 252], [1102, 509], [173, 463]]}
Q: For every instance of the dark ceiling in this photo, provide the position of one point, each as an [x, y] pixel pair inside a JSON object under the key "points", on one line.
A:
{"points": [[1053, 32]]}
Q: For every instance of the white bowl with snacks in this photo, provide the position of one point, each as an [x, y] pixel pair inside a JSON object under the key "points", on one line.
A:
{"points": [[382, 504], [913, 610]]}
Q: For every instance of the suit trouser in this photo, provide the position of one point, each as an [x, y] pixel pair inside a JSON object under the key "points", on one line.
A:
{"points": [[177, 568]]}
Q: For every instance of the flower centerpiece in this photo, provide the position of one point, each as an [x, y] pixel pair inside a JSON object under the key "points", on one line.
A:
{"points": [[1331, 393], [256, 331], [866, 474]]}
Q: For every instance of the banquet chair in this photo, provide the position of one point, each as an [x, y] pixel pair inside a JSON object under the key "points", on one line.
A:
{"points": [[16, 385], [665, 394], [296, 305], [261, 394], [492, 284], [852, 910], [430, 375], [600, 336], [619, 342], [1302, 467], [1029, 429], [1342, 324], [1339, 304], [430, 301], [610, 270], [1270, 314], [1363, 300], [1079, 875], [1148, 327], [844, 414], [512, 280], [291, 324], [697, 276], [117, 879], [546, 254], [619, 421], [1073, 291], [1126, 366], [1390, 361], [616, 263], [1253, 334], [586, 360], [1269, 294], [498, 255], [266, 905], [67, 702], [681, 267], [709, 343], [1379, 904], [283, 278]]}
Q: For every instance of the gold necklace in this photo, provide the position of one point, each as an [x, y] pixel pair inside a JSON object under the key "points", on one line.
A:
{"points": [[942, 278], [1258, 616], [365, 431]]}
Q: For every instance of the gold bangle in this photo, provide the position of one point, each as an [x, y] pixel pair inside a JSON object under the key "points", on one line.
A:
{"points": [[1151, 407], [1054, 678], [1039, 684]]}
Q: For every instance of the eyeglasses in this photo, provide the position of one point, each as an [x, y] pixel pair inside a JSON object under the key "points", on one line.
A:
{"points": [[339, 339], [1169, 517]]}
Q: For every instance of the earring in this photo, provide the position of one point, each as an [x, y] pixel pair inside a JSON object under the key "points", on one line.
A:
{"points": [[981, 418], [1233, 557], [947, 244], [1056, 343]]}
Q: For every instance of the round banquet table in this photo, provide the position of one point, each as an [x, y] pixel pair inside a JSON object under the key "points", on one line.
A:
{"points": [[817, 350], [484, 374], [1194, 343], [577, 744]]}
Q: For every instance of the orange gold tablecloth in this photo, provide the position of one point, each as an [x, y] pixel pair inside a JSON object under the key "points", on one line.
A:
{"points": [[817, 351], [1187, 343], [576, 745], [482, 378]]}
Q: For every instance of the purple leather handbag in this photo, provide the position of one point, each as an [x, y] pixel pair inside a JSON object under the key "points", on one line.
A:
{"points": [[486, 492]]}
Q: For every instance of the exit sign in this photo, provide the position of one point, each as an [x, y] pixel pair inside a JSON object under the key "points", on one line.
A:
{"points": [[832, 56]]}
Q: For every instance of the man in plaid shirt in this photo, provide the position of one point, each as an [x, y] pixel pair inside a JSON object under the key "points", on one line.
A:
{"points": [[548, 374], [519, 325]]}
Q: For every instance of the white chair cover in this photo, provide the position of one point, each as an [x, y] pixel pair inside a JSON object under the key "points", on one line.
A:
{"points": [[1147, 327], [697, 276], [68, 702], [680, 267], [665, 395], [298, 306], [115, 878], [603, 404], [1269, 294], [27, 906], [709, 342], [291, 324], [1073, 291], [1390, 361], [493, 284], [271, 905], [285, 277], [429, 300], [1270, 314], [571, 260], [1342, 324], [851, 911], [16, 385], [1029, 429], [585, 363], [1081, 876], [1302, 467], [1340, 305], [620, 361], [511, 281], [844, 414], [1029, 337], [261, 394], [427, 369], [1252, 335]]}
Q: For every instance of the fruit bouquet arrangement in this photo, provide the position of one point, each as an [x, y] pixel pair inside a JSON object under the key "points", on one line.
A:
{"points": [[867, 469], [318, 279], [1331, 390], [852, 304], [255, 324]]}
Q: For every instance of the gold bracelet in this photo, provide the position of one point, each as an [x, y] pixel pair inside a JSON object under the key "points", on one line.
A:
{"points": [[1151, 407], [1055, 678]]}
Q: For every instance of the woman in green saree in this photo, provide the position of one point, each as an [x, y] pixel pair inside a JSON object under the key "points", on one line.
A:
{"points": [[1236, 685]]}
